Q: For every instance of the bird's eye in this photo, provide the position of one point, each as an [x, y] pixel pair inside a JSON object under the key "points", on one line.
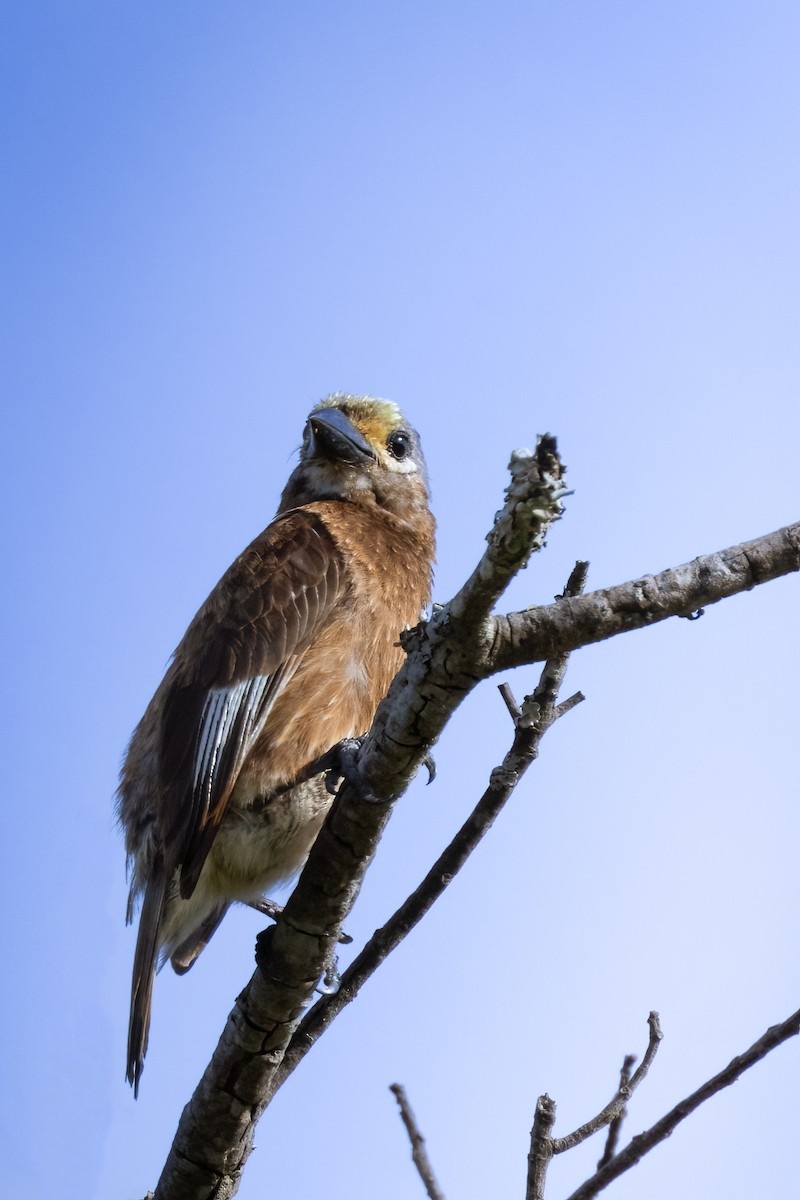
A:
{"points": [[399, 445]]}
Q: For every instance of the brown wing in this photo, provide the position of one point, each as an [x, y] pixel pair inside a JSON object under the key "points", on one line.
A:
{"points": [[237, 655]]}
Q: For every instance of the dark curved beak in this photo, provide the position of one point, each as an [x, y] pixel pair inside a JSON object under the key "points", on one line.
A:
{"points": [[334, 436]]}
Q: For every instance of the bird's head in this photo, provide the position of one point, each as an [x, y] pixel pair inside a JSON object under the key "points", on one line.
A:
{"points": [[362, 450]]}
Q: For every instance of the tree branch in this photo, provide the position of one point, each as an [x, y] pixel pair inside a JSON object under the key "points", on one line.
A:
{"points": [[615, 1126], [644, 1142], [541, 1151], [544, 1145], [447, 657], [525, 637], [215, 1133], [418, 1152], [624, 1092]]}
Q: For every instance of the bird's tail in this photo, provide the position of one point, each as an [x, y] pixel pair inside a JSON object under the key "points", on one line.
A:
{"points": [[144, 972]]}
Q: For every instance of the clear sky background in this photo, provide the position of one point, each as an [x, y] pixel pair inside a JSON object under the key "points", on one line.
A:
{"points": [[511, 218]]}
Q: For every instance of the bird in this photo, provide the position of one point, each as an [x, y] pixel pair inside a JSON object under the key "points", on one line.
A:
{"points": [[289, 656]]}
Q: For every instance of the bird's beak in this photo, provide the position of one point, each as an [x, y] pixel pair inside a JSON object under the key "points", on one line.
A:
{"points": [[334, 436]]}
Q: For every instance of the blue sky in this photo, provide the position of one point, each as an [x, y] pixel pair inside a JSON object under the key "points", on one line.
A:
{"points": [[509, 218]]}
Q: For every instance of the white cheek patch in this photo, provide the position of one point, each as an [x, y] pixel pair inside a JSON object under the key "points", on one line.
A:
{"points": [[402, 466]]}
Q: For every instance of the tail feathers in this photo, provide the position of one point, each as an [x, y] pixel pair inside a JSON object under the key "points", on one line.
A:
{"points": [[144, 971], [191, 947]]}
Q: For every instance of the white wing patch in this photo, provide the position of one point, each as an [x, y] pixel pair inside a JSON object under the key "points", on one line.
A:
{"points": [[232, 719]]}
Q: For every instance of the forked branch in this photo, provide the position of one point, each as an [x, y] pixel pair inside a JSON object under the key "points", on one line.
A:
{"points": [[544, 1146], [643, 1143], [462, 643], [215, 1134]]}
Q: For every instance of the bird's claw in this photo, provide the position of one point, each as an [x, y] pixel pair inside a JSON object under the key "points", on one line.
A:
{"points": [[430, 766], [345, 767], [340, 764]]}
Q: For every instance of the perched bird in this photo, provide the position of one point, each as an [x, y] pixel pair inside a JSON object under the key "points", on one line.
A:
{"points": [[292, 652]]}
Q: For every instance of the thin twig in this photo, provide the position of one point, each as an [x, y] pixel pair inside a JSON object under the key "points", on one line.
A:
{"points": [[576, 582], [624, 1092], [508, 696], [616, 1125], [544, 1145], [571, 702], [418, 1152], [644, 1142]]}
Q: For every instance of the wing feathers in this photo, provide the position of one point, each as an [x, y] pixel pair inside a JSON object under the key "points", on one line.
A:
{"points": [[238, 653], [232, 720]]}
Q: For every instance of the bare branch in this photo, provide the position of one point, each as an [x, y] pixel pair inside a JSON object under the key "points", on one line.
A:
{"points": [[544, 1145], [533, 502], [537, 633], [215, 1134], [461, 644], [418, 1152], [541, 1150], [576, 583], [567, 705], [508, 699], [644, 1142], [615, 1127], [624, 1092]]}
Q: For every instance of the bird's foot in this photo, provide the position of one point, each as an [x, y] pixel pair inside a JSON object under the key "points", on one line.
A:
{"points": [[342, 766], [329, 982], [270, 908], [340, 763]]}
